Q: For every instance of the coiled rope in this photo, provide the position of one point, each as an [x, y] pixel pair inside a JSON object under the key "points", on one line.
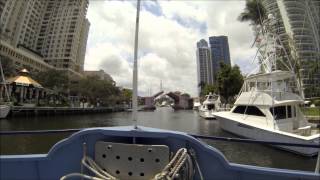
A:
{"points": [[93, 167], [181, 159], [171, 170]]}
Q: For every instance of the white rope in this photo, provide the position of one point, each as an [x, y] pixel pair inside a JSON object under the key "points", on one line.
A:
{"points": [[93, 167], [180, 159], [174, 166], [194, 158], [73, 175]]}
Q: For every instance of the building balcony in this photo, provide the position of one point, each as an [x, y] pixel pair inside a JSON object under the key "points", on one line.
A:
{"points": [[296, 10], [294, 3]]}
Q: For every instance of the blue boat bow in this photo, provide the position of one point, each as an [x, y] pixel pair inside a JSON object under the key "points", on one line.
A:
{"points": [[65, 156]]}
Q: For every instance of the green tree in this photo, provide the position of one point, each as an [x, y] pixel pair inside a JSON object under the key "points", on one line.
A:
{"points": [[126, 95], [57, 81], [254, 12], [8, 67], [52, 79], [208, 89], [229, 80], [94, 90]]}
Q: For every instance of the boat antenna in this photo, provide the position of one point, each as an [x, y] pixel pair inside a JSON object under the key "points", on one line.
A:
{"points": [[259, 13], [135, 71]]}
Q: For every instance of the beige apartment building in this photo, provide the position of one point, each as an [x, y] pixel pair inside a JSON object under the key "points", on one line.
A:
{"points": [[53, 32]]}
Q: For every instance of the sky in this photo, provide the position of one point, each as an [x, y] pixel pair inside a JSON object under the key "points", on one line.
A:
{"points": [[169, 31]]}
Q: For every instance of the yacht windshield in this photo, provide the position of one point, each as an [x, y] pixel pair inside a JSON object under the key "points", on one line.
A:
{"points": [[210, 106], [248, 110]]}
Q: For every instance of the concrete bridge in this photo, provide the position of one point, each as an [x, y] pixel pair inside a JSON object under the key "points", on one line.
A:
{"points": [[181, 100]]}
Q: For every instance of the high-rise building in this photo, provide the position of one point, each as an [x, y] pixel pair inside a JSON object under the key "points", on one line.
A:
{"points": [[2, 3], [63, 34], [20, 22], [219, 52], [204, 64], [298, 26], [55, 30], [209, 58]]}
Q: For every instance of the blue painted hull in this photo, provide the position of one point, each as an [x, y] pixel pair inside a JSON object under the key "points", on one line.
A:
{"points": [[65, 156]]}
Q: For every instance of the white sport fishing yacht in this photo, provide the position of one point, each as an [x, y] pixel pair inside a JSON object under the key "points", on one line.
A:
{"points": [[210, 105], [268, 108]]}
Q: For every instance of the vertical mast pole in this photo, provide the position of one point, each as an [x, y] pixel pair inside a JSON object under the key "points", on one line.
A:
{"points": [[135, 71]]}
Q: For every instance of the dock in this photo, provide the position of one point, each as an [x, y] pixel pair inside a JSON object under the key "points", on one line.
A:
{"points": [[45, 111], [313, 119]]}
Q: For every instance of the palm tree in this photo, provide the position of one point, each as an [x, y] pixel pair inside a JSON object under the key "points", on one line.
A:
{"points": [[253, 12]]}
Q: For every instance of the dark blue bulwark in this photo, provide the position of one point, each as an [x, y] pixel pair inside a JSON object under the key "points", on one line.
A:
{"points": [[65, 156], [39, 132]]}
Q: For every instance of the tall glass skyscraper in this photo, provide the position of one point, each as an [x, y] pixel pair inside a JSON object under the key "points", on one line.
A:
{"points": [[219, 47], [209, 58], [204, 64]]}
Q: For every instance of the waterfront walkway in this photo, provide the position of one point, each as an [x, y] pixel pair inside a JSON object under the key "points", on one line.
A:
{"points": [[34, 111]]}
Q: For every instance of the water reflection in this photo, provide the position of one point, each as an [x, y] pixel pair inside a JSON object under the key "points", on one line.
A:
{"points": [[164, 118]]}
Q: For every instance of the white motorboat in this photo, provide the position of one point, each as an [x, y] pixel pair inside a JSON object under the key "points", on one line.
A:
{"points": [[210, 105], [268, 107], [196, 105], [164, 104], [4, 111]]}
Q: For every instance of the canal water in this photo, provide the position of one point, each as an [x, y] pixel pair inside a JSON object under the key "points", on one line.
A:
{"points": [[164, 118]]}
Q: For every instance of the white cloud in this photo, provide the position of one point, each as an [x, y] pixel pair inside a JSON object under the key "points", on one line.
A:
{"points": [[166, 42], [188, 10]]}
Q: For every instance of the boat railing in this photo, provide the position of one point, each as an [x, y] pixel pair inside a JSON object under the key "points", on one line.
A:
{"points": [[215, 138], [278, 94]]}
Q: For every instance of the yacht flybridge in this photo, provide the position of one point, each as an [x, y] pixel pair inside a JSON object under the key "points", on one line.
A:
{"points": [[268, 107], [209, 106]]}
